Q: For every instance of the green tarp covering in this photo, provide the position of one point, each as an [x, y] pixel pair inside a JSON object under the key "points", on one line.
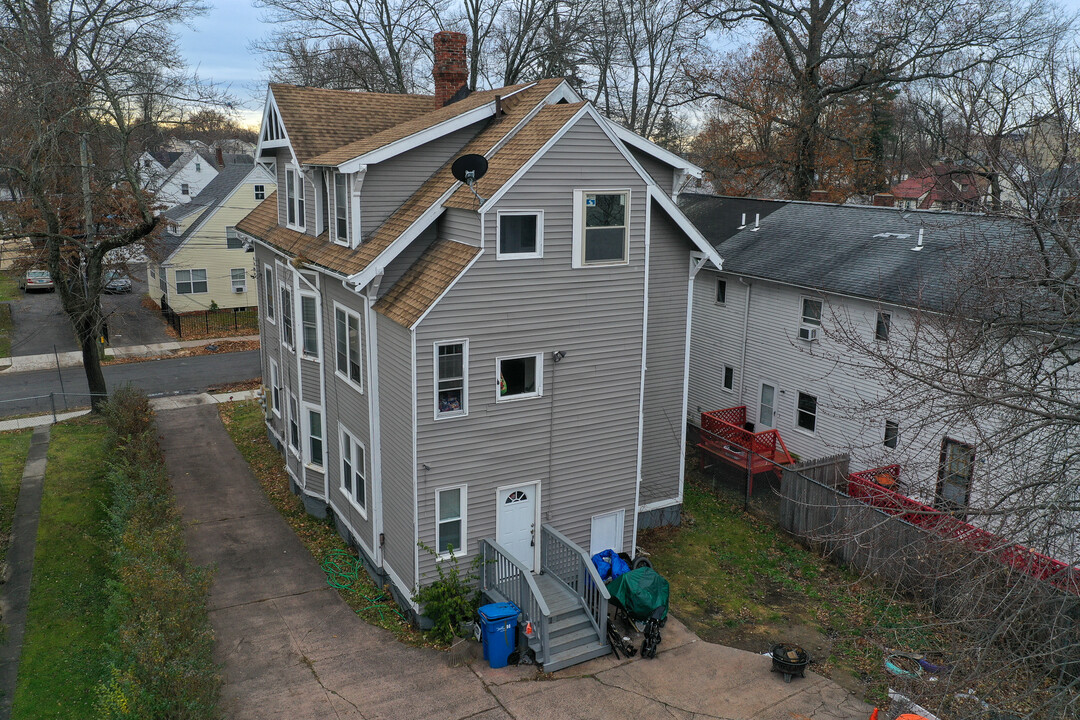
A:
{"points": [[641, 592]]}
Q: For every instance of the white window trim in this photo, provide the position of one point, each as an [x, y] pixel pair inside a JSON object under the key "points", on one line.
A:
{"points": [[578, 260], [795, 420], [305, 440], [346, 436], [463, 550], [294, 201], [294, 401], [333, 208], [243, 277], [191, 281], [317, 356], [802, 315], [275, 378], [888, 325], [464, 411], [500, 255], [359, 386], [271, 288], [258, 188], [731, 389], [539, 392]]}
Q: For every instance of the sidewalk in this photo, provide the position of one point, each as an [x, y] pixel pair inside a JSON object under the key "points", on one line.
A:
{"points": [[291, 648], [48, 361]]}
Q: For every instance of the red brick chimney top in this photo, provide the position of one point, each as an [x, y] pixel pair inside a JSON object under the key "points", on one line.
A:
{"points": [[451, 72], [220, 157], [819, 196], [884, 200]]}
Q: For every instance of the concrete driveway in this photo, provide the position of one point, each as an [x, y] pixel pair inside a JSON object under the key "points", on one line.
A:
{"points": [[40, 321], [292, 648]]}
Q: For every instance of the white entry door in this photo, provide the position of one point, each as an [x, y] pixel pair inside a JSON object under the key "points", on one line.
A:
{"points": [[515, 527]]}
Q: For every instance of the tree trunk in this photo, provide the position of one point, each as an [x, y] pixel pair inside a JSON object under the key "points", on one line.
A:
{"points": [[95, 379]]}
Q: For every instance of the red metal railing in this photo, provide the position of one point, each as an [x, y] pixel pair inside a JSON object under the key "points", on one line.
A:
{"points": [[866, 486], [724, 435]]}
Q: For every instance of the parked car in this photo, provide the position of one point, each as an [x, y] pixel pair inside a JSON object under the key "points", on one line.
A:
{"points": [[115, 282], [36, 280]]}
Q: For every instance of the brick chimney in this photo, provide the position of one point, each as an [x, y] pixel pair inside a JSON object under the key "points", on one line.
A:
{"points": [[884, 200], [451, 72], [819, 196], [220, 157]]}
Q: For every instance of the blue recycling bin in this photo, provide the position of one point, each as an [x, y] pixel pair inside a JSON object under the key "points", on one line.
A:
{"points": [[498, 632]]}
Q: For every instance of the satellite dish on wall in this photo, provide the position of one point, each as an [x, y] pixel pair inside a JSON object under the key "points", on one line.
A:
{"points": [[468, 169]]}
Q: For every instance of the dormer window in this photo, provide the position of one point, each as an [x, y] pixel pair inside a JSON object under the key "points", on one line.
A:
{"points": [[294, 198], [341, 209]]}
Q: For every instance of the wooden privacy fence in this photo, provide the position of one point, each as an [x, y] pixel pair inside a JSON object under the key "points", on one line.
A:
{"points": [[813, 507]]}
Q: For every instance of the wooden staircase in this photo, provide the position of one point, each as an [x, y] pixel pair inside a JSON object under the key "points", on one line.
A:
{"points": [[566, 602]]}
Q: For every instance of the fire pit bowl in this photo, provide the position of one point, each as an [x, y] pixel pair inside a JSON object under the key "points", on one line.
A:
{"points": [[790, 660]]}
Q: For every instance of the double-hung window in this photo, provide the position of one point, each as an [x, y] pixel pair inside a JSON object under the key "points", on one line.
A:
{"points": [[294, 197], [721, 291], [185, 189], [309, 320], [882, 326], [286, 316], [294, 423], [239, 280], [451, 379], [520, 234], [954, 475], [811, 312], [268, 275], [341, 209], [232, 240], [275, 388], [353, 459], [189, 282], [729, 377], [260, 192], [519, 377], [806, 412], [892, 433], [347, 345], [450, 506], [601, 227], [314, 437]]}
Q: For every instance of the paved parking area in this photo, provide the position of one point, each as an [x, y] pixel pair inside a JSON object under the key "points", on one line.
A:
{"points": [[291, 648], [40, 322]]}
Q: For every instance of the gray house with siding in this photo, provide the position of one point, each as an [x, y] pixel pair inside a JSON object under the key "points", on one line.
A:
{"points": [[498, 373]]}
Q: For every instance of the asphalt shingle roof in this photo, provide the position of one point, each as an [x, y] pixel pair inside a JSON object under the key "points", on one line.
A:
{"points": [[205, 203], [859, 250]]}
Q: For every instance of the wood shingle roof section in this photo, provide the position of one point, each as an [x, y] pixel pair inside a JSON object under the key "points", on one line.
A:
{"points": [[425, 281], [509, 159], [411, 127], [319, 120], [262, 223]]}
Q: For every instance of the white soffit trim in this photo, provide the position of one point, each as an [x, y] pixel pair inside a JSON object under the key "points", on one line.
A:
{"points": [[458, 122], [286, 142], [650, 148]]}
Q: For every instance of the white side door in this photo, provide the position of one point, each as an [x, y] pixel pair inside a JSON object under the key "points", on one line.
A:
{"points": [[767, 406], [607, 532], [516, 522]]}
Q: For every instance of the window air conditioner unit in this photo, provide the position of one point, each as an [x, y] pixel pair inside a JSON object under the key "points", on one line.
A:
{"points": [[239, 289], [808, 333]]}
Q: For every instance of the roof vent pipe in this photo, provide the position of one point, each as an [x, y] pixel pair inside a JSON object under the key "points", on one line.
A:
{"points": [[919, 245], [743, 223], [757, 222]]}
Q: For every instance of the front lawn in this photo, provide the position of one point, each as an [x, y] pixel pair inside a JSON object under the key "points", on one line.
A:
{"points": [[61, 666], [737, 580]]}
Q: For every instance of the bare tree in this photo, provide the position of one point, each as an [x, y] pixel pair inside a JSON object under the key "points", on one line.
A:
{"points": [[834, 49], [77, 80]]}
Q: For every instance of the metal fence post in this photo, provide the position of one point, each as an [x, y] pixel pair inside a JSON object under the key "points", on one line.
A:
{"points": [[52, 401]]}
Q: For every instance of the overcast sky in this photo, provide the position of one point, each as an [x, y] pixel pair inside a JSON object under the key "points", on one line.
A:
{"points": [[217, 46]]}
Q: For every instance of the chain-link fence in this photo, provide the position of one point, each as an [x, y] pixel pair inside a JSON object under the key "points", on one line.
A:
{"points": [[52, 405]]}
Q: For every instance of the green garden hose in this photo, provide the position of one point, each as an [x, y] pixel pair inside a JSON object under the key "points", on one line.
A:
{"points": [[343, 570]]}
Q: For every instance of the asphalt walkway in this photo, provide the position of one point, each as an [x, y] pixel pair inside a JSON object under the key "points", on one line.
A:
{"points": [[291, 648], [15, 594]]}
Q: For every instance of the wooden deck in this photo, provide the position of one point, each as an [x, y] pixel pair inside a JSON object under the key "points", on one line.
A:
{"points": [[724, 437]]}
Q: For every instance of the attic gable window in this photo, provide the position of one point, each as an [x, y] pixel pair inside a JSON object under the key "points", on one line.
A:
{"points": [[520, 234], [260, 192], [601, 227], [294, 198]]}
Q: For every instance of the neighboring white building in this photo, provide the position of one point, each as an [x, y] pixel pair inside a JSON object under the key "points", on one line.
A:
{"points": [[777, 330]]}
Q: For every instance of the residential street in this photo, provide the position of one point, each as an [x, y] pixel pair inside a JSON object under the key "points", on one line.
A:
{"points": [[156, 377], [291, 648]]}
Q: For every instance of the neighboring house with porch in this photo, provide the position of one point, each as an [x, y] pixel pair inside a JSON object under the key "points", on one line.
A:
{"points": [[200, 258], [774, 333], [502, 375]]}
